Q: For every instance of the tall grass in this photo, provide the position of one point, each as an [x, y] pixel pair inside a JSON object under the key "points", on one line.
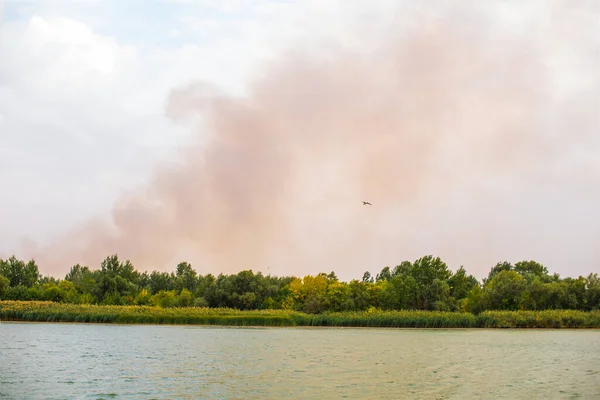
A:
{"points": [[395, 319], [539, 319], [59, 312]]}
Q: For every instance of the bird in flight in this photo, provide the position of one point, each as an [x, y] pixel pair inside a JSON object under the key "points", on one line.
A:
{"points": [[365, 203]]}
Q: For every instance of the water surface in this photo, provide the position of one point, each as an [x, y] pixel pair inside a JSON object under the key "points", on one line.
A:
{"points": [[95, 361]]}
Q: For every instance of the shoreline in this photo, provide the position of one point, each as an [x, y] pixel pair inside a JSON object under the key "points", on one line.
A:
{"points": [[39, 311], [296, 327]]}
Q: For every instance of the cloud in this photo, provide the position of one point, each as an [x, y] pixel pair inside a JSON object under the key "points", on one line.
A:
{"points": [[465, 130], [472, 130], [55, 115], [80, 122], [82, 104]]}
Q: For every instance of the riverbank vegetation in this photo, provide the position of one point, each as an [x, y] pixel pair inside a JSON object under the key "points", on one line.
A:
{"points": [[47, 311], [426, 284]]}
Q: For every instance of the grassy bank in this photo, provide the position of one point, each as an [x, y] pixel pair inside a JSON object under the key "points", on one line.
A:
{"points": [[43, 311], [58, 312]]}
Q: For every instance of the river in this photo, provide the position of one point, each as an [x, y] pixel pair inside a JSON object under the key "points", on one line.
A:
{"points": [[96, 361]]}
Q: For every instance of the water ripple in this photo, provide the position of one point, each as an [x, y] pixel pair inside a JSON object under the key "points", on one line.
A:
{"points": [[56, 361]]}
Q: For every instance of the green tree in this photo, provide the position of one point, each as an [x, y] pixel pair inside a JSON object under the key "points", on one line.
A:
{"points": [[461, 284], [142, 298], [403, 268], [186, 277], [475, 301], [185, 298], [117, 281], [499, 267], [338, 297], [573, 293], [504, 291], [69, 292], [164, 299], [426, 269], [308, 294], [538, 295], [593, 292], [85, 282], [20, 273], [361, 296], [161, 281], [4, 284], [439, 297], [204, 282], [111, 266], [51, 292], [384, 275], [530, 269], [401, 292]]}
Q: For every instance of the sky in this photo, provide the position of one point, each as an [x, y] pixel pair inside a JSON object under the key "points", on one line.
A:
{"points": [[246, 134]]}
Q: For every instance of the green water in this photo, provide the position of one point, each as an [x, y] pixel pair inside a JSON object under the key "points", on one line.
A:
{"points": [[92, 361]]}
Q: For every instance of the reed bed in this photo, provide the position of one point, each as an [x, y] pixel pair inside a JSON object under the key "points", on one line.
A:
{"points": [[46, 311], [396, 319], [540, 319]]}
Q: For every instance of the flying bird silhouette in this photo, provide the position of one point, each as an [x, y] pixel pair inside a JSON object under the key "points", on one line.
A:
{"points": [[365, 203]]}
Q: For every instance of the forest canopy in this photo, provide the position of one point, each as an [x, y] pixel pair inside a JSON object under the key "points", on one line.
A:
{"points": [[423, 284]]}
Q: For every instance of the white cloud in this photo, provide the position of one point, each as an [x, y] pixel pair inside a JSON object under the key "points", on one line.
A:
{"points": [[83, 119], [83, 87], [83, 112]]}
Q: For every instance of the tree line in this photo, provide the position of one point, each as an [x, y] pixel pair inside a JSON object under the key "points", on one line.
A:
{"points": [[424, 284]]}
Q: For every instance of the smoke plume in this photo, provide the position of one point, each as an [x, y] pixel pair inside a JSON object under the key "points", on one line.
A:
{"points": [[459, 131]]}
